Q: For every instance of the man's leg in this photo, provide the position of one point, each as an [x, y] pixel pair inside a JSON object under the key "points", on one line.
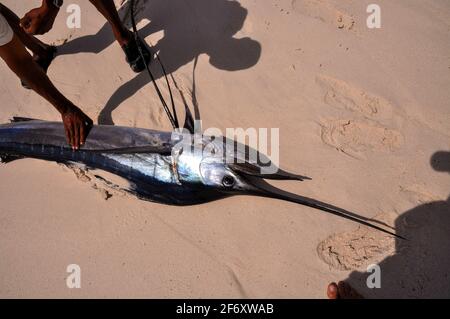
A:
{"points": [[124, 37], [108, 9], [39, 49]]}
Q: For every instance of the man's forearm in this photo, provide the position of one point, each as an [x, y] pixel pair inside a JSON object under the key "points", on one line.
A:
{"points": [[33, 75], [21, 63]]}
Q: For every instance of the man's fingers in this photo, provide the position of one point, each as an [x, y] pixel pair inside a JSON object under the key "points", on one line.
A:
{"points": [[78, 127], [82, 134], [46, 27], [69, 134], [31, 30], [72, 135], [41, 29], [25, 22], [66, 130]]}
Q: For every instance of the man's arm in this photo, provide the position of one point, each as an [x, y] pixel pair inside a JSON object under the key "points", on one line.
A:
{"points": [[18, 59], [40, 20]]}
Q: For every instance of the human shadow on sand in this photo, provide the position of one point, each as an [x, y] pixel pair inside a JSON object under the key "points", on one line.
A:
{"points": [[420, 267], [191, 28]]}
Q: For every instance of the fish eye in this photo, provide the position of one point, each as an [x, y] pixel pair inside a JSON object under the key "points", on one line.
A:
{"points": [[228, 181]]}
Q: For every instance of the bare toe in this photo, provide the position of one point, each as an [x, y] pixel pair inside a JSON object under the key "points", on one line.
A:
{"points": [[333, 291]]}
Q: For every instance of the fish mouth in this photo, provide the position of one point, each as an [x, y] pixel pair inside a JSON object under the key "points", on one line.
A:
{"points": [[259, 187]]}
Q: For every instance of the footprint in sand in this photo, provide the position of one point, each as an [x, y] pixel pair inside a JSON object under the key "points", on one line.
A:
{"points": [[418, 194], [344, 96], [357, 249], [354, 138], [105, 188], [364, 131], [325, 12]]}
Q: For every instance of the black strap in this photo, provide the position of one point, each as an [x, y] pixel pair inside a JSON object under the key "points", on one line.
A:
{"points": [[172, 117]]}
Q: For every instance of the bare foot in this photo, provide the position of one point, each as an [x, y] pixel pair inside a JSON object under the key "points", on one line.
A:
{"points": [[342, 290]]}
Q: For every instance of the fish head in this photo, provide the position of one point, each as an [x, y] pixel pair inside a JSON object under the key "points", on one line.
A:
{"points": [[235, 168], [221, 176]]}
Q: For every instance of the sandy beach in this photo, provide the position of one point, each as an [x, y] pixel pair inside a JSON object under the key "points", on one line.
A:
{"points": [[364, 112]]}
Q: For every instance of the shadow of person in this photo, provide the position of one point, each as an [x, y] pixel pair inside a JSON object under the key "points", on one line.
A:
{"points": [[191, 28], [420, 267]]}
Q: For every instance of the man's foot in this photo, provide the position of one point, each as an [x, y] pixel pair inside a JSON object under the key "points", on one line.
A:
{"points": [[133, 54], [43, 62], [342, 290]]}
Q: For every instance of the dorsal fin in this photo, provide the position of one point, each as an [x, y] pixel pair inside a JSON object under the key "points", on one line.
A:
{"points": [[17, 119]]}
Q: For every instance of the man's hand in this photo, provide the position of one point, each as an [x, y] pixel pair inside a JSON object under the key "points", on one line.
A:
{"points": [[77, 126], [39, 20]]}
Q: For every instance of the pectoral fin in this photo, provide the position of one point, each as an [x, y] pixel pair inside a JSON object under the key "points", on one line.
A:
{"points": [[256, 171]]}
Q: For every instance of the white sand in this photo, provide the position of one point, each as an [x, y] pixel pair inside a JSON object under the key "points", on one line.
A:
{"points": [[360, 111]]}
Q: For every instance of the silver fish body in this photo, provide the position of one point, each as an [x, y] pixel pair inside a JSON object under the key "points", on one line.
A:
{"points": [[175, 169], [143, 157]]}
